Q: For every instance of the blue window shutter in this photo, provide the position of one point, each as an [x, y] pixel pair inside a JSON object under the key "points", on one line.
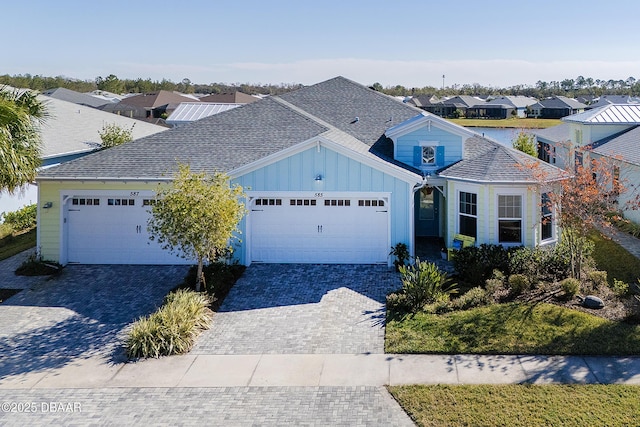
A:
{"points": [[417, 156], [440, 156]]}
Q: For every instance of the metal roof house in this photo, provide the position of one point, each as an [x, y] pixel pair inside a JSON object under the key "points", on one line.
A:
{"points": [[333, 173], [610, 131], [188, 112]]}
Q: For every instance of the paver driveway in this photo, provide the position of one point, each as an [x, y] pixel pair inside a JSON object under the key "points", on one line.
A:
{"points": [[80, 313], [302, 309]]}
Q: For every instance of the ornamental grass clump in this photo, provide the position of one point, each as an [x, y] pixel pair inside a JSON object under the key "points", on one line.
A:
{"points": [[424, 283], [172, 329]]}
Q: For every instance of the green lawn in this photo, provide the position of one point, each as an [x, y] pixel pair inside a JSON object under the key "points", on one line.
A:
{"points": [[518, 123], [13, 244], [614, 259], [520, 405], [511, 328]]}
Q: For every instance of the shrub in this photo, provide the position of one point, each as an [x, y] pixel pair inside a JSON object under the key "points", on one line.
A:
{"points": [[540, 264], [423, 283], [620, 288], [570, 287], [597, 278], [401, 252], [474, 297], [518, 284], [22, 219], [172, 329], [396, 301], [475, 264]]}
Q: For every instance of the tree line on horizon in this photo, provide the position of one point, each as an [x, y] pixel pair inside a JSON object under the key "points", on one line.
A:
{"points": [[580, 86]]}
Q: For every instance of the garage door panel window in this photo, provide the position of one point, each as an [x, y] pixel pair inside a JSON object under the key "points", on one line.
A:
{"points": [[302, 202], [374, 203], [510, 219], [121, 202], [85, 202], [268, 202], [337, 202]]}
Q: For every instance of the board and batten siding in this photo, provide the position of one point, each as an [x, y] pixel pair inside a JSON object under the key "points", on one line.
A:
{"points": [[452, 145], [340, 173], [487, 218], [50, 219]]}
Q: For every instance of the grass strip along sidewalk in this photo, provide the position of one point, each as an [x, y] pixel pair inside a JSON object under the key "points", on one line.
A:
{"points": [[520, 405]]}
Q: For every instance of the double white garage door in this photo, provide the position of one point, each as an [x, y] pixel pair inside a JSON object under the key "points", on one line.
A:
{"points": [[344, 228], [325, 229]]}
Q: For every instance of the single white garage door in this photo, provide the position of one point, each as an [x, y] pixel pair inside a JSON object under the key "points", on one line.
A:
{"points": [[327, 229], [112, 230]]}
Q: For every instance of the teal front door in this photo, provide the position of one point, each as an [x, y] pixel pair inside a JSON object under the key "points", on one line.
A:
{"points": [[427, 218]]}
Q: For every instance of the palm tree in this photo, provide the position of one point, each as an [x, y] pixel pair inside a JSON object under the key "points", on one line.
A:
{"points": [[20, 145]]}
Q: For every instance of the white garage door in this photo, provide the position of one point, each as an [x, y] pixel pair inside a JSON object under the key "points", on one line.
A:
{"points": [[112, 230], [327, 229]]}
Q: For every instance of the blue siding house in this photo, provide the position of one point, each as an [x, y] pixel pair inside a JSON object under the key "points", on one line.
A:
{"points": [[333, 173]]}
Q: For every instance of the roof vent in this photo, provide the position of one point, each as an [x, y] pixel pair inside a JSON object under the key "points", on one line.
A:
{"points": [[356, 120]]}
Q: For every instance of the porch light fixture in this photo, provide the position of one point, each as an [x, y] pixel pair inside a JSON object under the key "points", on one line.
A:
{"points": [[318, 178], [47, 205]]}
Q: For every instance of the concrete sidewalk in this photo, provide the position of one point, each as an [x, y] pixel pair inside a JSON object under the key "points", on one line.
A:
{"points": [[330, 370]]}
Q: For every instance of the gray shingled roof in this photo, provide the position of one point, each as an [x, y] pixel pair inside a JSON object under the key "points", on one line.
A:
{"points": [[338, 109], [560, 133], [79, 98], [72, 128], [562, 102], [623, 146], [222, 142], [490, 161]]}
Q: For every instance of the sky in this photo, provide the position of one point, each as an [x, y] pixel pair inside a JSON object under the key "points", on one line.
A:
{"points": [[403, 42]]}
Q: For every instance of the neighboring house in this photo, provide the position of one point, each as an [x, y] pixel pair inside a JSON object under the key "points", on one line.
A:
{"points": [[148, 106], [188, 112], [71, 131], [613, 99], [460, 103], [502, 107], [76, 97], [333, 173], [427, 102], [612, 132], [229, 98], [555, 107]]}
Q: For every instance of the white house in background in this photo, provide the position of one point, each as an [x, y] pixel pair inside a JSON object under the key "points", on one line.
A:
{"points": [[611, 131], [334, 173], [70, 132]]}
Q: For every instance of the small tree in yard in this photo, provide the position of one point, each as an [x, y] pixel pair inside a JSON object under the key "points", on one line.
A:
{"points": [[112, 135], [586, 199], [526, 143], [198, 215]]}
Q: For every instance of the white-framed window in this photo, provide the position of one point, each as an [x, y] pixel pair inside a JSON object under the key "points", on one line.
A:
{"points": [[428, 155], [546, 217], [510, 219], [468, 214]]}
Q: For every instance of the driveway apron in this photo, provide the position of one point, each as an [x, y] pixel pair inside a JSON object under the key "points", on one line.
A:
{"points": [[302, 309]]}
